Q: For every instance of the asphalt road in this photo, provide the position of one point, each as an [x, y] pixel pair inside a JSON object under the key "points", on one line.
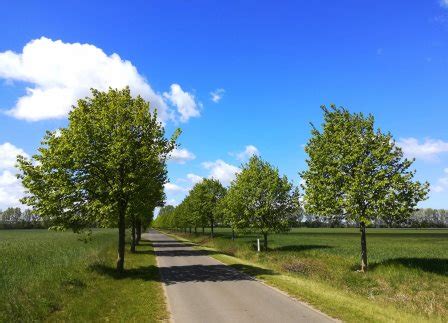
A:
{"points": [[201, 289]]}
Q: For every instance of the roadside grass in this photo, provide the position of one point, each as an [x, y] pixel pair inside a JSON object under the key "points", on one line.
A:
{"points": [[54, 276], [407, 279]]}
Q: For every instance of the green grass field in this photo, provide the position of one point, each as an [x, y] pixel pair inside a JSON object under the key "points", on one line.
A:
{"points": [[53, 276], [408, 270]]}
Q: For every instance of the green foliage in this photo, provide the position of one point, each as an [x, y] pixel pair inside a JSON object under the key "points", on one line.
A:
{"points": [[356, 171], [108, 164], [260, 200]]}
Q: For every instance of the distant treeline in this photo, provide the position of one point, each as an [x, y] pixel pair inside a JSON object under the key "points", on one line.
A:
{"points": [[423, 218], [15, 218]]}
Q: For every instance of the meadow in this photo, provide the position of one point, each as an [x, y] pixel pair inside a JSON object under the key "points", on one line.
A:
{"points": [[62, 276], [407, 278]]}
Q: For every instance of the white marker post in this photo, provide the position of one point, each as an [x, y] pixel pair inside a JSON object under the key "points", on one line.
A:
{"points": [[258, 245]]}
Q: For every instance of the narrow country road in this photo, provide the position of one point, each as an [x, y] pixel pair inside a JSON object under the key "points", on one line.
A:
{"points": [[201, 289]]}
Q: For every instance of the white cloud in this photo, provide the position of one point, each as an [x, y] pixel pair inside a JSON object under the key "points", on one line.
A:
{"points": [[444, 3], [181, 156], [217, 95], [173, 188], [248, 152], [8, 155], [428, 150], [221, 171], [59, 73], [11, 189], [442, 183], [194, 179], [184, 102]]}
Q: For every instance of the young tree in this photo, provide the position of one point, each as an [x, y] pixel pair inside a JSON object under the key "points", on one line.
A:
{"points": [[260, 200], [357, 171], [97, 170], [204, 199]]}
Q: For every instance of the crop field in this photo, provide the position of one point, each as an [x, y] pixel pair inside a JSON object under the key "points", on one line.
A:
{"points": [[56, 276], [408, 269]]}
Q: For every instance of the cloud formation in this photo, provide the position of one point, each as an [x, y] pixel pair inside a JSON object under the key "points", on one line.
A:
{"points": [[248, 152], [429, 149], [442, 183], [221, 171], [11, 189], [57, 74], [217, 95], [184, 102], [181, 156]]}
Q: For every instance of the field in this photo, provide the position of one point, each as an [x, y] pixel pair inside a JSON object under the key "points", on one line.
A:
{"points": [[55, 276], [407, 278]]}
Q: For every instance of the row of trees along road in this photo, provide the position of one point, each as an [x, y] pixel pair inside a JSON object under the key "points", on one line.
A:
{"points": [[106, 168], [355, 172]]}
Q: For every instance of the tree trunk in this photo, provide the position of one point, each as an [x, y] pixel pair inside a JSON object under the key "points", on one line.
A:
{"points": [[233, 235], [211, 225], [362, 226], [190, 230], [203, 230], [133, 237], [195, 230], [139, 230], [121, 237], [265, 236]]}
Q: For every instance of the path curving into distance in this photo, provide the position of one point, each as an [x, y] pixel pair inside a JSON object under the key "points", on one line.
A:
{"points": [[201, 289]]}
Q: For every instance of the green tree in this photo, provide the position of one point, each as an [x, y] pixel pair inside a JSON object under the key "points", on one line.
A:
{"points": [[356, 171], [260, 200], [99, 169], [203, 199]]}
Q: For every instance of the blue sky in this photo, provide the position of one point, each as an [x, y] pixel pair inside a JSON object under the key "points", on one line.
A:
{"points": [[269, 67]]}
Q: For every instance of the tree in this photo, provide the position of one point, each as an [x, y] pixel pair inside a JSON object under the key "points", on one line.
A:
{"points": [[107, 165], [260, 200], [204, 198], [358, 172]]}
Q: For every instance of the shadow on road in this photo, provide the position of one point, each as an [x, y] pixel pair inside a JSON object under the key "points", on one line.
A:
{"points": [[207, 273]]}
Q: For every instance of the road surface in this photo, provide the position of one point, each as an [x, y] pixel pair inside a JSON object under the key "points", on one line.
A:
{"points": [[201, 289]]}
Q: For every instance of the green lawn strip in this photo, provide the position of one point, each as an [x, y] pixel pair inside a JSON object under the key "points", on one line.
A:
{"points": [[337, 303], [52, 276]]}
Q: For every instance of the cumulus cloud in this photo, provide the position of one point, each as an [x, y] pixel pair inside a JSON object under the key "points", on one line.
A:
{"points": [[442, 183], [248, 152], [181, 156], [429, 149], [184, 102], [173, 188], [11, 189], [217, 95], [193, 178], [221, 171], [59, 73]]}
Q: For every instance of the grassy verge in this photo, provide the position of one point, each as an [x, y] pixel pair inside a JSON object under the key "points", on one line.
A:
{"points": [[53, 276], [407, 280]]}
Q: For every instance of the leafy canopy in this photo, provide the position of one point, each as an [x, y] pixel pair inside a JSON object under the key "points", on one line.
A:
{"points": [[357, 171]]}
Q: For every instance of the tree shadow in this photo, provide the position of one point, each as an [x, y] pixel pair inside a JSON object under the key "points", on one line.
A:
{"points": [[432, 265], [299, 248], [183, 253], [208, 273], [145, 273]]}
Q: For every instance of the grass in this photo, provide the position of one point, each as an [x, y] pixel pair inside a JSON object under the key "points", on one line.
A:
{"points": [[54, 276], [407, 279]]}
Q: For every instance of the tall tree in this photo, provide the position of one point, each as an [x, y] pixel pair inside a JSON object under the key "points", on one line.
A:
{"points": [[261, 200], [205, 197], [97, 170], [357, 171]]}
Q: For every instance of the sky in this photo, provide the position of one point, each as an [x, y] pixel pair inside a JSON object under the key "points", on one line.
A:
{"points": [[238, 77]]}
